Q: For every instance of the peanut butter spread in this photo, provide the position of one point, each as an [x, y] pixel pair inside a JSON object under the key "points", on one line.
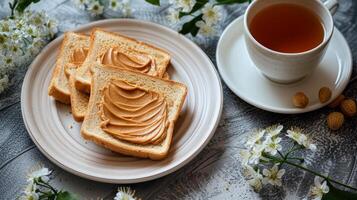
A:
{"points": [[134, 61], [132, 114], [79, 55]]}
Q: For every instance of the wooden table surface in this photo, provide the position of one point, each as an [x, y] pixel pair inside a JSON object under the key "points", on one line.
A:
{"points": [[215, 173]]}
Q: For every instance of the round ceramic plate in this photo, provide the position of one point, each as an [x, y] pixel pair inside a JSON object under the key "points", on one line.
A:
{"points": [[57, 135], [246, 81]]}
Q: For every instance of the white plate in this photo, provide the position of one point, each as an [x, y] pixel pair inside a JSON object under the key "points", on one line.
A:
{"points": [[56, 134], [246, 81]]}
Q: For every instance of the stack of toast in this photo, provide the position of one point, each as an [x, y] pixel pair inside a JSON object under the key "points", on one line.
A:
{"points": [[120, 89]]}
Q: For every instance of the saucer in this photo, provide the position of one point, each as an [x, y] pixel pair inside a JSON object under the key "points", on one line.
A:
{"points": [[246, 81]]}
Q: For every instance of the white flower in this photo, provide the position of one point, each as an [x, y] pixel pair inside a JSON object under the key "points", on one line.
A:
{"points": [[211, 14], [309, 145], [52, 27], [256, 154], [39, 174], [205, 29], [244, 155], [4, 83], [173, 15], [273, 176], [272, 145], [16, 36], [31, 196], [255, 138], [30, 190], [3, 39], [185, 5], [15, 51], [125, 7], [95, 8], [81, 3], [274, 130], [319, 189], [297, 135], [8, 60], [38, 19], [114, 5], [21, 38], [253, 177], [125, 193]]}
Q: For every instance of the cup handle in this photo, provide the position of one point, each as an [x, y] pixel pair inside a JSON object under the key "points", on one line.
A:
{"points": [[332, 5]]}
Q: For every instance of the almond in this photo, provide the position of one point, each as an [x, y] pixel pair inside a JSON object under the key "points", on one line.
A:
{"points": [[300, 100], [337, 101], [335, 120], [324, 94], [348, 107]]}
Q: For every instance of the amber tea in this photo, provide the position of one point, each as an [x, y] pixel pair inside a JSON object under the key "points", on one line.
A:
{"points": [[287, 28]]}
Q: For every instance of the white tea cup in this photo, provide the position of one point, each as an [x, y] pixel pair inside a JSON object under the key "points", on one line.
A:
{"points": [[289, 67]]}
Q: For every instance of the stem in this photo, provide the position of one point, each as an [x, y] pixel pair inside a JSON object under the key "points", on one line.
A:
{"points": [[292, 147], [46, 185], [12, 7], [293, 150], [229, 2], [200, 3], [294, 158], [311, 171], [281, 155]]}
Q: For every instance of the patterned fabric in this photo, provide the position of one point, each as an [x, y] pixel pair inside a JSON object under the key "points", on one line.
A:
{"points": [[215, 173]]}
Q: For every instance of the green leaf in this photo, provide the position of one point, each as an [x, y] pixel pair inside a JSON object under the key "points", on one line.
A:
{"points": [[64, 195], [337, 194], [190, 27], [154, 2], [226, 2], [197, 6], [23, 4]]}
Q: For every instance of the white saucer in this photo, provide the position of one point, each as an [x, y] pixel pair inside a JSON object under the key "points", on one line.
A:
{"points": [[246, 81]]}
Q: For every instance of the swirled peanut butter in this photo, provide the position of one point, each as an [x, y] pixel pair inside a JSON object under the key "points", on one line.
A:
{"points": [[133, 114], [132, 61], [79, 55]]}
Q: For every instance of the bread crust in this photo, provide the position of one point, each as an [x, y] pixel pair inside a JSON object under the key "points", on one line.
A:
{"points": [[59, 95], [53, 90], [77, 115], [57, 92], [129, 150]]}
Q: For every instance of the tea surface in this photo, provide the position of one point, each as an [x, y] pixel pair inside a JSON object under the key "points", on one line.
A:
{"points": [[287, 28]]}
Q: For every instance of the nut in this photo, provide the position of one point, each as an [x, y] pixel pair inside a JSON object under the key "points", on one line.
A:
{"points": [[335, 120], [300, 100], [324, 94], [337, 101], [348, 107]]}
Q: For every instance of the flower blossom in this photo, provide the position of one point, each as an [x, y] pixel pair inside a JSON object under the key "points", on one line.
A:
{"points": [[273, 176], [319, 189], [211, 14], [297, 135], [125, 193]]}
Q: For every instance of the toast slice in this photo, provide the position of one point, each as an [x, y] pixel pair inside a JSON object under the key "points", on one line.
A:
{"points": [[117, 123], [79, 100], [73, 48], [115, 50]]}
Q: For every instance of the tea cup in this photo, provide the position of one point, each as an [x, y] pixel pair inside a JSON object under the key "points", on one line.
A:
{"points": [[289, 67]]}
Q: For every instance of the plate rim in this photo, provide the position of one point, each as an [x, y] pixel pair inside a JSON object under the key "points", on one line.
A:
{"points": [[280, 110], [212, 128]]}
